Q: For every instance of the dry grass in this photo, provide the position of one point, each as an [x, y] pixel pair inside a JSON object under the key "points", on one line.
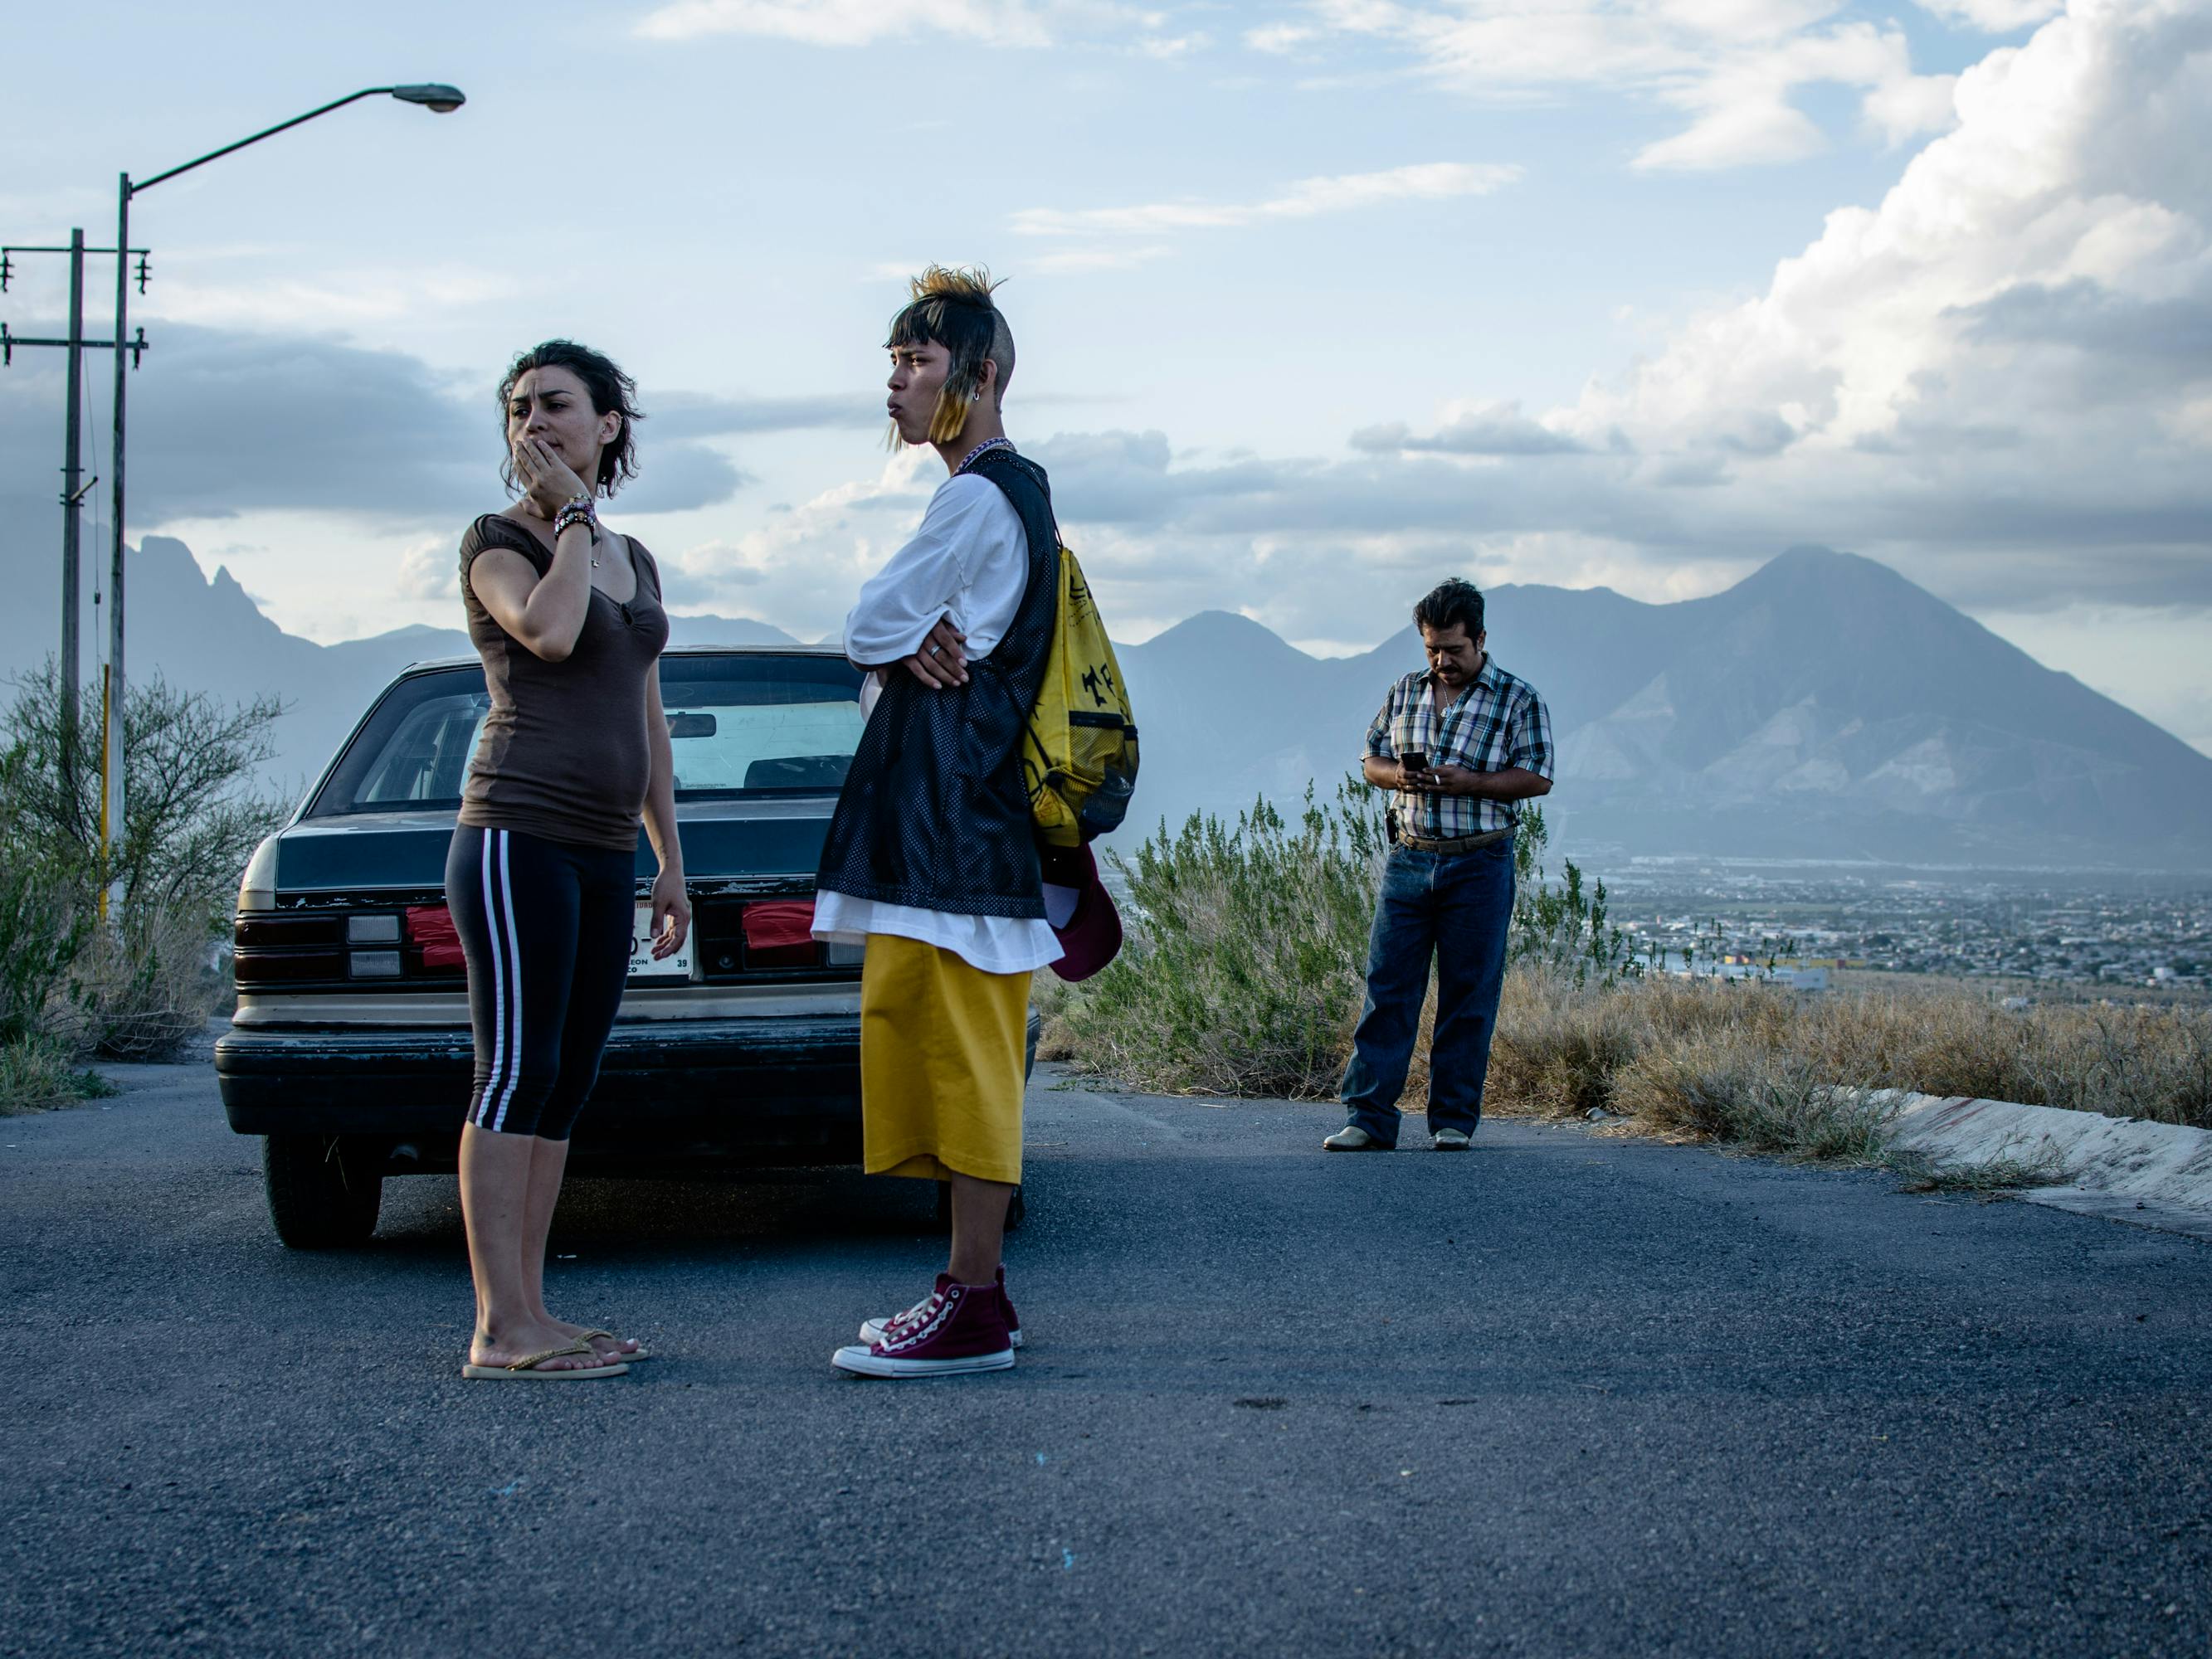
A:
{"points": [[1733, 1061], [36, 1076], [141, 992]]}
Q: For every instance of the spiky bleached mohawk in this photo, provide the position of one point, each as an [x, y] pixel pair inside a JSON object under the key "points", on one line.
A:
{"points": [[952, 307]]}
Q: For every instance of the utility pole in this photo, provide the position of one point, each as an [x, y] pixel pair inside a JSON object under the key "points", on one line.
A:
{"points": [[72, 508], [111, 698], [73, 491], [435, 96]]}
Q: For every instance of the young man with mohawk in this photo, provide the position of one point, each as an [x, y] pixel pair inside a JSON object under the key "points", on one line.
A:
{"points": [[930, 858]]}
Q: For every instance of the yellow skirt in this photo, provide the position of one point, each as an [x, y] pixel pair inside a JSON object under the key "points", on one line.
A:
{"points": [[941, 1051]]}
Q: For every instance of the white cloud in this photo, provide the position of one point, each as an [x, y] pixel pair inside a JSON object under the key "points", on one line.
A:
{"points": [[364, 297], [1994, 16], [804, 566], [1168, 46], [1076, 259], [428, 571], [2060, 181], [1735, 65], [862, 23], [1998, 380], [1499, 428], [1309, 197]]}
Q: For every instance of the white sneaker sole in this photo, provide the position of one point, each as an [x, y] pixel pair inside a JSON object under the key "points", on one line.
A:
{"points": [[871, 1330], [867, 1361]]}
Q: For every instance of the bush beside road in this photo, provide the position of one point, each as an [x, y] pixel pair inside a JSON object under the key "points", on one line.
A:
{"points": [[76, 985], [1243, 979]]}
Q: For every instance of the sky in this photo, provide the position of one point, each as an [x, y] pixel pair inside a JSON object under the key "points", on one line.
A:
{"points": [[1316, 303]]}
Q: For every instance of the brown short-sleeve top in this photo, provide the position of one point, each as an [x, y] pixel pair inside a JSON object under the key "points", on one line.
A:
{"points": [[564, 751]]}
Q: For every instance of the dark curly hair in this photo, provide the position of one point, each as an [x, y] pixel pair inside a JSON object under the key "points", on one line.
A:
{"points": [[610, 391], [1454, 602]]}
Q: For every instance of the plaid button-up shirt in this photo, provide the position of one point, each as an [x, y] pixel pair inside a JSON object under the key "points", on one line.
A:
{"points": [[1497, 722]]}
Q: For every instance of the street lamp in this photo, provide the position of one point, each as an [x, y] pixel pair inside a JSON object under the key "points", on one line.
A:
{"points": [[435, 96]]}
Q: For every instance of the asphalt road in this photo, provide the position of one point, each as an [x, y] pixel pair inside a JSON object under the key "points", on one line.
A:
{"points": [[1563, 1395]]}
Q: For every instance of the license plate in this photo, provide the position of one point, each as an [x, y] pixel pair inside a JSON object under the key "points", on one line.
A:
{"points": [[641, 962]]}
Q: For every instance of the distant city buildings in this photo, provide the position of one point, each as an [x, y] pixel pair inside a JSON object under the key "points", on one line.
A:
{"points": [[1740, 924]]}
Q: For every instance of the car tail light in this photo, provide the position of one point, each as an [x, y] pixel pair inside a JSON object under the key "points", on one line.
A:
{"points": [[252, 967], [273, 950], [780, 933], [736, 936], [254, 932], [437, 945]]}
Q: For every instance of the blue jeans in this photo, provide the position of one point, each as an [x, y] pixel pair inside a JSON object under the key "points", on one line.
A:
{"points": [[1456, 907]]}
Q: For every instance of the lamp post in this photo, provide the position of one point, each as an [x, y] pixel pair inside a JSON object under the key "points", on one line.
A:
{"points": [[434, 96]]}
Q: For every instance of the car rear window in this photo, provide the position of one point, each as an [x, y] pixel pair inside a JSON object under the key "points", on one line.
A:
{"points": [[738, 725]]}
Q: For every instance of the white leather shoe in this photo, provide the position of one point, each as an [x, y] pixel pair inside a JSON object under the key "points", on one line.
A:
{"points": [[1353, 1138], [1452, 1141]]}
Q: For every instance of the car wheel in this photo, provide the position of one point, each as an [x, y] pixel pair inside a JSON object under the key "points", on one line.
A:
{"points": [[318, 1196]]}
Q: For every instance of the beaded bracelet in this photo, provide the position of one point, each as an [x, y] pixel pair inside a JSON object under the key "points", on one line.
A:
{"points": [[574, 512]]}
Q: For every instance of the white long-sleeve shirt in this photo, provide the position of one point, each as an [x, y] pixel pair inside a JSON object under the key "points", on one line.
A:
{"points": [[969, 561]]}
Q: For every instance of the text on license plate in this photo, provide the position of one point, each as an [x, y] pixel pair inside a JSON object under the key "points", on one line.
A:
{"points": [[641, 962]]}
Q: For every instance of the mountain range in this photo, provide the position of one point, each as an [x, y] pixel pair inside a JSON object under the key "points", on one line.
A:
{"points": [[1823, 708]]}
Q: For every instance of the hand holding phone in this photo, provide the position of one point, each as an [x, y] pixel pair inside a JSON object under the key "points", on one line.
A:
{"points": [[1411, 765]]}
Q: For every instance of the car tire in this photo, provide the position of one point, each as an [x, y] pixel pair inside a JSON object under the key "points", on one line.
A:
{"points": [[1016, 1210], [320, 1197]]}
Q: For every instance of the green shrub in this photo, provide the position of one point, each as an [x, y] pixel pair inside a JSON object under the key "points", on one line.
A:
{"points": [[137, 986], [1244, 962], [192, 811], [43, 916]]}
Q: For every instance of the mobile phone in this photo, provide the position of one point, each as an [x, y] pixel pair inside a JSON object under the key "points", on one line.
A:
{"points": [[1414, 760]]}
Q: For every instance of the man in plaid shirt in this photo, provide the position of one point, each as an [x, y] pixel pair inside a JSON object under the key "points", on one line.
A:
{"points": [[1461, 743]]}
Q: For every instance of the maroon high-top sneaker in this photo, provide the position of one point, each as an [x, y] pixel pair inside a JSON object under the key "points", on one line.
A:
{"points": [[871, 1330], [958, 1330]]}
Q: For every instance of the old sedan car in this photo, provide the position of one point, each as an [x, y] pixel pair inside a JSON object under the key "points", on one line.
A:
{"points": [[349, 1051]]}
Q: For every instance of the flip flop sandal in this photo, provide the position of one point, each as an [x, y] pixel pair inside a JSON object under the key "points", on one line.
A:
{"points": [[525, 1370], [638, 1352]]}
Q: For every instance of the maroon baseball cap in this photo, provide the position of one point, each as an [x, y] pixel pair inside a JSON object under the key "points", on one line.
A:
{"points": [[1090, 935]]}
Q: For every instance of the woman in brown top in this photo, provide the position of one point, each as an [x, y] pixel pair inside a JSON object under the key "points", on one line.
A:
{"points": [[541, 879]]}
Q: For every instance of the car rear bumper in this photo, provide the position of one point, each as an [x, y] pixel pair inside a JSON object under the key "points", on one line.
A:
{"points": [[747, 1087]]}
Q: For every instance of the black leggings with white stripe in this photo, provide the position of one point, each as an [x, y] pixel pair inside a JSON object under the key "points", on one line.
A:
{"points": [[546, 929]]}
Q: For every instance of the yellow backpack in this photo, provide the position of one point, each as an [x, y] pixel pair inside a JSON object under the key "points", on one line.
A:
{"points": [[1079, 752]]}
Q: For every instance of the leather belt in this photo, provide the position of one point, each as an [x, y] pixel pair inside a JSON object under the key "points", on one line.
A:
{"points": [[1454, 843]]}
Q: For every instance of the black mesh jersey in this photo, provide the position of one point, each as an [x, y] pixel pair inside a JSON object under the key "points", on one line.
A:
{"points": [[935, 811]]}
